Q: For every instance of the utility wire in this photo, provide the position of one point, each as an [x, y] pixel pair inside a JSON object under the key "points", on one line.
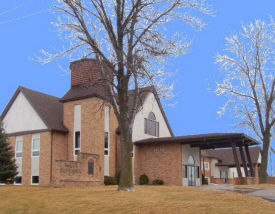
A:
{"points": [[21, 5], [23, 17]]}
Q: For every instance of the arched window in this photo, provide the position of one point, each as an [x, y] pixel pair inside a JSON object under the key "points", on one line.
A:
{"points": [[91, 167], [151, 126], [191, 160]]}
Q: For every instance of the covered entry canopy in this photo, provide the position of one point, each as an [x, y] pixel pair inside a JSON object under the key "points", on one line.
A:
{"points": [[214, 141], [205, 141]]}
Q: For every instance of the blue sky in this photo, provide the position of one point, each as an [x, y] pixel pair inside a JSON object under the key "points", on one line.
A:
{"points": [[195, 113]]}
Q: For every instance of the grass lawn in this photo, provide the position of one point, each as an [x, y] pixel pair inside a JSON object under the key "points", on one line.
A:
{"points": [[145, 199]]}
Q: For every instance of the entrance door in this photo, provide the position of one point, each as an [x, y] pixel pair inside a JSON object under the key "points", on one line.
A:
{"points": [[191, 176], [223, 176]]}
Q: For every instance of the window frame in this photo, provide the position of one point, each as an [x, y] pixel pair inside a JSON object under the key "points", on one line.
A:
{"points": [[35, 150], [154, 121], [77, 149], [206, 168], [15, 154]]}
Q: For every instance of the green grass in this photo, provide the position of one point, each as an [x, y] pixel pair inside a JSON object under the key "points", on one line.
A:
{"points": [[145, 199]]}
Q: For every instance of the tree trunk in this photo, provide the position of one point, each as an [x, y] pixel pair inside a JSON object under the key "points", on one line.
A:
{"points": [[126, 177], [264, 161]]}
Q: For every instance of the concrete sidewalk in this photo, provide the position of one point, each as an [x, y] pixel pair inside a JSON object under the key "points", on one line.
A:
{"points": [[268, 194]]}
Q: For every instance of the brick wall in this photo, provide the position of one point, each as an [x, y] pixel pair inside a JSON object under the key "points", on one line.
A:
{"points": [[45, 159], [26, 160], [162, 161], [85, 71], [59, 150], [92, 130], [271, 180], [207, 173], [75, 173], [113, 142]]}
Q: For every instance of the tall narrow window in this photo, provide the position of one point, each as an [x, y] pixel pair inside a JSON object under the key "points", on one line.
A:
{"points": [[77, 143], [184, 171], [197, 172], [206, 166], [106, 143], [35, 147], [151, 126], [19, 148]]}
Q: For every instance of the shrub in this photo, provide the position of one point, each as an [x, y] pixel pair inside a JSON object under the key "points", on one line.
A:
{"points": [[118, 177], [157, 182], [143, 179], [109, 180], [204, 180]]}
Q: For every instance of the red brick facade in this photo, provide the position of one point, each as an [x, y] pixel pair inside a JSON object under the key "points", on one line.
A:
{"points": [[162, 161], [85, 71]]}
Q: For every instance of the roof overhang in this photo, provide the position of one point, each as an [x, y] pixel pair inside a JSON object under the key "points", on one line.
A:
{"points": [[204, 141]]}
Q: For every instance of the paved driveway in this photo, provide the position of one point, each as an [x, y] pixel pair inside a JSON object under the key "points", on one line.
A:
{"points": [[268, 194]]}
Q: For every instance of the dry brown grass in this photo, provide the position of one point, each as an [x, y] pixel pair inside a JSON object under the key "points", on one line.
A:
{"points": [[145, 199]]}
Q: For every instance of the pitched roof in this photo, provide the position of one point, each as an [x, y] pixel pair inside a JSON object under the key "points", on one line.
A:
{"points": [[226, 155], [48, 107], [204, 141], [82, 91]]}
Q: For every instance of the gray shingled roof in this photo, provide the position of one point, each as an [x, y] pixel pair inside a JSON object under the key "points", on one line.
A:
{"points": [[48, 107], [226, 155]]}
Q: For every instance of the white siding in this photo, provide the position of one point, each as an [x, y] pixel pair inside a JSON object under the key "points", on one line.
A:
{"points": [[22, 117], [150, 104], [195, 153]]}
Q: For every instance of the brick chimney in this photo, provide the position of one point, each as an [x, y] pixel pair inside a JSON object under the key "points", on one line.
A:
{"points": [[85, 71]]}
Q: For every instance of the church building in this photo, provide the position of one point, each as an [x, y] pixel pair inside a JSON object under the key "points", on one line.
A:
{"points": [[74, 141]]}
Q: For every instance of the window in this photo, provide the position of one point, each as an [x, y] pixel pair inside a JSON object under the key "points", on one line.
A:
{"points": [[151, 126], [191, 161], [106, 143], [197, 172], [18, 180], [19, 148], [90, 167], [35, 179], [206, 165], [77, 143], [35, 147], [184, 171]]}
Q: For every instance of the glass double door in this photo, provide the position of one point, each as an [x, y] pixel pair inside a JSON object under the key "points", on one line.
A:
{"points": [[191, 176]]}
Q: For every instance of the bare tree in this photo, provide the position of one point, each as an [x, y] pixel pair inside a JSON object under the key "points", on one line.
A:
{"points": [[128, 38], [250, 81]]}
